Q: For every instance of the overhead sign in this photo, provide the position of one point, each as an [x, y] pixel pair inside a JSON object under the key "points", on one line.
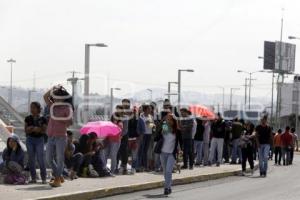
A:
{"points": [[274, 52]]}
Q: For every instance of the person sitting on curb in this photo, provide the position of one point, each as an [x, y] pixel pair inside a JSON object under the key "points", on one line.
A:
{"points": [[13, 162]]}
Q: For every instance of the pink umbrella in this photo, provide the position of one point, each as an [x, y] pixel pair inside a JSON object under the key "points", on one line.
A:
{"points": [[103, 129]]}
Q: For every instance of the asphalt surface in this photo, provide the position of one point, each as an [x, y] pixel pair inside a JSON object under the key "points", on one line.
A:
{"points": [[282, 183]]}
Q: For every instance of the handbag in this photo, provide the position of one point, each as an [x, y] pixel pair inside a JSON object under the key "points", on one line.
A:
{"points": [[159, 145]]}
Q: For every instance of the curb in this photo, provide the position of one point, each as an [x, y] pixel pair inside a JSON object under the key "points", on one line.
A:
{"points": [[93, 194]]}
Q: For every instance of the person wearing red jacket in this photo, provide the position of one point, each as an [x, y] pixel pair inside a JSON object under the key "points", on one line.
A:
{"points": [[287, 145]]}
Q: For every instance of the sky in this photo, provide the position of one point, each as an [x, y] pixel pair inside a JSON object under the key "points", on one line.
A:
{"points": [[148, 41]]}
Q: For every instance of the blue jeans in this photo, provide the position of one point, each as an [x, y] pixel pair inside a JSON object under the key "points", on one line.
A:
{"points": [[143, 151], [199, 151], [35, 149], [286, 155], [263, 152], [55, 154], [236, 151], [167, 162], [111, 152]]}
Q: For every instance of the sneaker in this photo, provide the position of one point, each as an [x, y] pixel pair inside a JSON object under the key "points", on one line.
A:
{"points": [[191, 168], [218, 165], [133, 171], [56, 182], [184, 167], [92, 172], [166, 192], [32, 182], [44, 182]]}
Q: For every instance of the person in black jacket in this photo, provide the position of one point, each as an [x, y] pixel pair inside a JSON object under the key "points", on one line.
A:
{"points": [[198, 142], [218, 131], [133, 138], [186, 124]]}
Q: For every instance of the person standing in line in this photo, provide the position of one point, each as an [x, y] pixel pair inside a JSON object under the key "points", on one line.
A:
{"points": [[295, 144], [264, 141], [145, 127], [206, 140], [278, 147], [246, 144], [217, 142], [236, 130], [133, 139], [198, 141], [61, 117], [114, 142], [287, 145], [186, 124], [168, 150], [123, 151], [35, 129]]}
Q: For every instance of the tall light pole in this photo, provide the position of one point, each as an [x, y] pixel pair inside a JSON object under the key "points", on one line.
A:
{"points": [[223, 96], [151, 94], [179, 83], [112, 99], [87, 74], [250, 84], [10, 97], [169, 89], [272, 93], [231, 93]]}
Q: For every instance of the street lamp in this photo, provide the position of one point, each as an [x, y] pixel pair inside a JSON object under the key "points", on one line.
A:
{"points": [[179, 83], [87, 74], [112, 98], [169, 89], [223, 96], [294, 38], [272, 94], [231, 93], [250, 84], [151, 93], [10, 98]]}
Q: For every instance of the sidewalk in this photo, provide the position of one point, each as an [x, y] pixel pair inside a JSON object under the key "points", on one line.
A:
{"points": [[88, 188]]}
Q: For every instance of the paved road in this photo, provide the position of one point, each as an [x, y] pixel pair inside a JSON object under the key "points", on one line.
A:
{"points": [[282, 183]]}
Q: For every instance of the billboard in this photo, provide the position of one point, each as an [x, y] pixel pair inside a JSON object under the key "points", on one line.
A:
{"points": [[273, 51]]}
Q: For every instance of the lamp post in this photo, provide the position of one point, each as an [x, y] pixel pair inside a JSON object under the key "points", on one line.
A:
{"points": [[272, 93], [10, 97], [87, 74], [223, 96], [179, 83], [169, 89], [250, 84], [112, 98], [231, 93]]}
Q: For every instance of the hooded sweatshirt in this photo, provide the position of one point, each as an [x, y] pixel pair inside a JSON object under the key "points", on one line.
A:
{"points": [[16, 156]]}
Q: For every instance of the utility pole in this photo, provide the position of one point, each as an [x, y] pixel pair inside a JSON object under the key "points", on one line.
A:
{"points": [[246, 85], [74, 81], [279, 84]]}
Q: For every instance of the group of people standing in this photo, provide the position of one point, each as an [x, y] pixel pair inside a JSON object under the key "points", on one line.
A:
{"points": [[149, 140]]}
